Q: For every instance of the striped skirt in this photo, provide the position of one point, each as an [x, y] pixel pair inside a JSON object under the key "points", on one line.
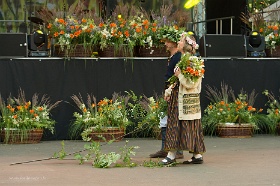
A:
{"points": [[183, 134]]}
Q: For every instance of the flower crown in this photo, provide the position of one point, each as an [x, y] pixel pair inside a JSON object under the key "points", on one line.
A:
{"points": [[189, 40], [171, 33]]}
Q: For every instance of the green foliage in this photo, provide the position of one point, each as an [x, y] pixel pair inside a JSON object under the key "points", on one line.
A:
{"points": [[145, 114], [61, 154], [156, 108], [152, 164], [135, 113], [105, 160], [102, 160], [99, 159], [264, 125], [254, 5], [126, 153], [273, 110]]}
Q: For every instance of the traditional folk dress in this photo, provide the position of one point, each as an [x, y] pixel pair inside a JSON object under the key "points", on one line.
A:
{"points": [[184, 129]]}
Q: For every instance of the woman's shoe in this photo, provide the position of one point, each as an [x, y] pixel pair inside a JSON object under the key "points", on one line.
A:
{"points": [[168, 161], [194, 161]]}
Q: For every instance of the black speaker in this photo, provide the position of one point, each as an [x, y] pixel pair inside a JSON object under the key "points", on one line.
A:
{"points": [[212, 45], [13, 44]]}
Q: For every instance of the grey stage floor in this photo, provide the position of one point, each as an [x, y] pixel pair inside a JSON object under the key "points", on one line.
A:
{"points": [[250, 161]]}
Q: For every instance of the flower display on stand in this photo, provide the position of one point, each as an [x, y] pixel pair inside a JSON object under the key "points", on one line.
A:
{"points": [[225, 109], [237, 111], [145, 32], [118, 34], [127, 27], [70, 31], [271, 34], [98, 117], [19, 115]]}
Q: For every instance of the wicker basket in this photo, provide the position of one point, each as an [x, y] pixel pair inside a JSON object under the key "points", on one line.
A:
{"points": [[110, 51], [151, 51], [76, 51], [14, 136], [115, 134], [235, 131], [272, 52]]}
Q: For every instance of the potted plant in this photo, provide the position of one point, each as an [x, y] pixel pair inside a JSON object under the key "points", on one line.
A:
{"points": [[273, 112], [231, 116], [107, 118], [23, 121]]}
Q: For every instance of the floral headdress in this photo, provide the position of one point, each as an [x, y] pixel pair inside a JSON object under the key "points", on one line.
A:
{"points": [[171, 33], [190, 41]]}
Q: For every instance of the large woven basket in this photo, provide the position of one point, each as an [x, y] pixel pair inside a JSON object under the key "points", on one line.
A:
{"points": [[111, 51], [76, 51], [145, 51], [273, 52], [21, 137], [235, 131], [115, 134]]}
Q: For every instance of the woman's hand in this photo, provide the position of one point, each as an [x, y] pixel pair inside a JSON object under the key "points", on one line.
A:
{"points": [[177, 71]]}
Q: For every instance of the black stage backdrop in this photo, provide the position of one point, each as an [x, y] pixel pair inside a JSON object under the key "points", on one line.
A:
{"points": [[225, 8], [60, 79]]}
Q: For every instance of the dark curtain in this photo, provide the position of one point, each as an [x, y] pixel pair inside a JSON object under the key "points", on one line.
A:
{"points": [[60, 79]]}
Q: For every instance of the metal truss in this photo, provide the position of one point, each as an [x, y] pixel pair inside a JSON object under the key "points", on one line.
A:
{"points": [[198, 17]]}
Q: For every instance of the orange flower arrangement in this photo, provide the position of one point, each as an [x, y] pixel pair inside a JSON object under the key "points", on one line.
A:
{"points": [[17, 113], [98, 116], [70, 31], [271, 34], [146, 32], [235, 111], [116, 33], [227, 109]]}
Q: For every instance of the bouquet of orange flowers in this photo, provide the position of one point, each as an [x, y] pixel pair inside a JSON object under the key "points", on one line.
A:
{"points": [[192, 67]]}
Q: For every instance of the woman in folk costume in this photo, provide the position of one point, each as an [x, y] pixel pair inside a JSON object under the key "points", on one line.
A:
{"points": [[184, 129]]}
